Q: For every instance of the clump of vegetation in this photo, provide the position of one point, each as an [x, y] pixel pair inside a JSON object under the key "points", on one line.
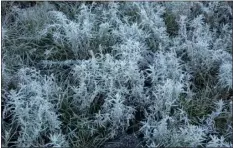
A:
{"points": [[83, 74]]}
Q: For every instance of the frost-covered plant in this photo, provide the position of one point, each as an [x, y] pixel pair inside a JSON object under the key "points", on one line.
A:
{"points": [[222, 111], [116, 114], [164, 133], [28, 22], [32, 108], [97, 66], [86, 31], [109, 81], [168, 82], [131, 32], [77, 35], [22, 38], [200, 45], [57, 140], [225, 75], [196, 43], [4, 33], [218, 142], [151, 21]]}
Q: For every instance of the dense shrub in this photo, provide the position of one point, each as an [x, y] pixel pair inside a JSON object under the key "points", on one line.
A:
{"points": [[79, 74]]}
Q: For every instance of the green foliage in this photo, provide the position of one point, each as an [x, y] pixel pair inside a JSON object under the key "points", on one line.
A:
{"points": [[171, 23]]}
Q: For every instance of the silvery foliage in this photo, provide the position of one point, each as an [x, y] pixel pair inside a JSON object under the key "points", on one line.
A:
{"points": [[86, 31], [123, 60], [221, 110], [57, 140], [218, 142], [204, 45], [225, 75], [164, 113], [117, 80], [200, 45], [152, 22], [77, 34], [33, 106], [30, 21]]}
